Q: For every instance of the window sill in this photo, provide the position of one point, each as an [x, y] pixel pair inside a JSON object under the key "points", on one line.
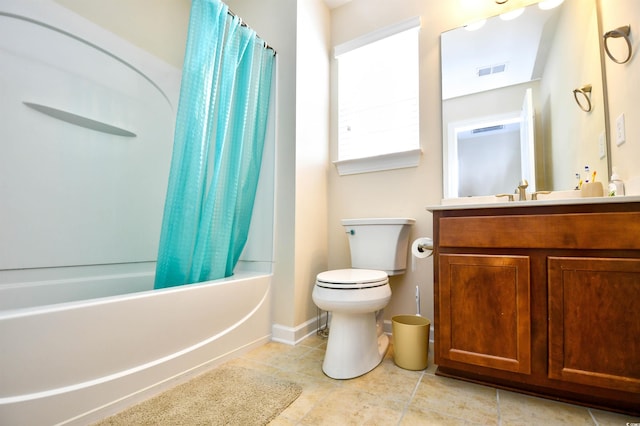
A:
{"points": [[396, 160]]}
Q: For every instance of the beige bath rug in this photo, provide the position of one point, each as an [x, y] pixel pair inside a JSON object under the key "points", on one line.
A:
{"points": [[224, 396]]}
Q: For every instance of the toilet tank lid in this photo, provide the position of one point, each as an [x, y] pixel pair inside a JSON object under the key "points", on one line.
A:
{"points": [[379, 221]]}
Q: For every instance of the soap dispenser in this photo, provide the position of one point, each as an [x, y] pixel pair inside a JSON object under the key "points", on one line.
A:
{"points": [[616, 186]]}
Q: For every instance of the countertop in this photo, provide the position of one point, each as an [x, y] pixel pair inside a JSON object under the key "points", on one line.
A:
{"points": [[484, 203]]}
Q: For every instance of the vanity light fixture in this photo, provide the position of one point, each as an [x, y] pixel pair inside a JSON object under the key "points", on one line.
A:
{"points": [[620, 32], [549, 4], [583, 97], [501, 1]]}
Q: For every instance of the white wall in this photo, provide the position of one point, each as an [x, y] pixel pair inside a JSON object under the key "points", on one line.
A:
{"points": [[573, 134], [299, 32], [477, 106], [81, 201], [404, 192], [159, 26], [623, 82], [489, 164], [303, 213], [312, 152]]}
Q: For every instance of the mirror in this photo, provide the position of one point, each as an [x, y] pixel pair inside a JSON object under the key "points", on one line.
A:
{"points": [[508, 104]]}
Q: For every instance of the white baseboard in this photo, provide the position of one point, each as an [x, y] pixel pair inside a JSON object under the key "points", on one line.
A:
{"points": [[294, 335]]}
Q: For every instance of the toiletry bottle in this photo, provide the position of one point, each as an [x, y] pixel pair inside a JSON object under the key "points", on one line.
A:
{"points": [[616, 186]]}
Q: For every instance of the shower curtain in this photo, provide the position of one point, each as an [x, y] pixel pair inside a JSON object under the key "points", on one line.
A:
{"points": [[218, 141]]}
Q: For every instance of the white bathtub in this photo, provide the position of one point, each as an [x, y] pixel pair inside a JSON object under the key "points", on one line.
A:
{"points": [[77, 362], [82, 333]]}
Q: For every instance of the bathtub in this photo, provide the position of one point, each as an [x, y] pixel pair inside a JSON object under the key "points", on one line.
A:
{"points": [[80, 361], [82, 333]]}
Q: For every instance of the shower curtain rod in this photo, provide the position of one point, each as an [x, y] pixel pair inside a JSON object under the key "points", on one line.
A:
{"points": [[242, 23]]}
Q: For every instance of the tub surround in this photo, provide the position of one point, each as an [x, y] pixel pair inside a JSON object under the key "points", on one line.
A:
{"points": [[539, 297]]}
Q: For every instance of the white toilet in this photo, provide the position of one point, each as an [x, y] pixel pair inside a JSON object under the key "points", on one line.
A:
{"points": [[357, 343]]}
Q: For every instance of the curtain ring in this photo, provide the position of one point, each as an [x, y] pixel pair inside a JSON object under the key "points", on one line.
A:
{"points": [[585, 91], [623, 32]]}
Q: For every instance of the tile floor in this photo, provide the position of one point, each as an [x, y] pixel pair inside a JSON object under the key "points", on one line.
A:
{"points": [[389, 395]]}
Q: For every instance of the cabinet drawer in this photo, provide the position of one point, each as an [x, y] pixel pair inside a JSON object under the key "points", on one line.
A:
{"points": [[561, 231]]}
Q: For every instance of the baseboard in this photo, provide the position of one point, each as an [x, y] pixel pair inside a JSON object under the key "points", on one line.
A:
{"points": [[294, 335]]}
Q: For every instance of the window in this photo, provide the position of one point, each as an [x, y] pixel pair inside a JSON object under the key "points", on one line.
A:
{"points": [[378, 114]]}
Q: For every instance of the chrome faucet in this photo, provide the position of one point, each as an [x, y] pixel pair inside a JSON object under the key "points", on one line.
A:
{"points": [[522, 190]]}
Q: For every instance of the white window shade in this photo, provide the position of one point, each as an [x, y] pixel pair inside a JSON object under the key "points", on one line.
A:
{"points": [[378, 104]]}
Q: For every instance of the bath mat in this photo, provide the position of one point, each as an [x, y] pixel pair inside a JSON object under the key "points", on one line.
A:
{"points": [[226, 395]]}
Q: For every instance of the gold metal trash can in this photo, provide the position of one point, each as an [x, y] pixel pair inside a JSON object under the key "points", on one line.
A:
{"points": [[410, 334]]}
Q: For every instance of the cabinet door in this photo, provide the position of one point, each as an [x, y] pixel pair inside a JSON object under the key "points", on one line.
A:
{"points": [[485, 311], [594, 321]]}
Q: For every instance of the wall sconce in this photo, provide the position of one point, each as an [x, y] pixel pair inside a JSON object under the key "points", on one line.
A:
{"points": [[583, 97], [625, 33]]}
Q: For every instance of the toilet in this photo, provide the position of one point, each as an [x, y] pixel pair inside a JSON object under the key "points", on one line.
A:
{"points": [[355, 297]]}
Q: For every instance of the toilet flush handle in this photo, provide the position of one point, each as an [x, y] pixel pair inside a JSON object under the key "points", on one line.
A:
{"points": [[351, 231]]}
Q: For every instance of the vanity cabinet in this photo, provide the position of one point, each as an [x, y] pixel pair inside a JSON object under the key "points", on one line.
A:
{"points": [[542, 299]]}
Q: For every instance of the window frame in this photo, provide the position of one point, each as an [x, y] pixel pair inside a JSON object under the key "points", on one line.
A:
{"points": [[388, 161]]}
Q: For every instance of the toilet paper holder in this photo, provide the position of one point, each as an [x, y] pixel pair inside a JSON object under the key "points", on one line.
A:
{"points": [[422, 247], [425, 245]]}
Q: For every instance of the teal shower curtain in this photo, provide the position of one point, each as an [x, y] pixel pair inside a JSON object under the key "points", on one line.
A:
{"points": [[218, 142]]}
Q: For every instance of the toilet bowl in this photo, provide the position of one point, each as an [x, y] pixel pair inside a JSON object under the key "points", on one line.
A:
{"points": [[355, 297]]}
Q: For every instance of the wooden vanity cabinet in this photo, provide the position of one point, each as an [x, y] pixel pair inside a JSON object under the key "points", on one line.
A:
{"points": [[541, 299]]}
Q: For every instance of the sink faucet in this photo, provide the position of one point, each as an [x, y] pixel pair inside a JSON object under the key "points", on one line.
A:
{"points": [[522, 190]]}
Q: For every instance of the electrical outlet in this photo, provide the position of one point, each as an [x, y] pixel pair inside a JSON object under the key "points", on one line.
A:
{"points": [[620, 134], [602, 148]]}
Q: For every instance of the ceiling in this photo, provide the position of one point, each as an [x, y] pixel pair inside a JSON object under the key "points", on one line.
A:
{"points": [[519, 46]]}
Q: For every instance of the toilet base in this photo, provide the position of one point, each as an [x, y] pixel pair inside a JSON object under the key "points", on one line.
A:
{"points": [[354, 347]]}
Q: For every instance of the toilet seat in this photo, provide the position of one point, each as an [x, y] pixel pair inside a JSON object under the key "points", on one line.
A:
{"points": [[352, 279]]}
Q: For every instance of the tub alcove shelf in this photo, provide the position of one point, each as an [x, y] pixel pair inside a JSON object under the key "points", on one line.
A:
{"points": [[541, 298]]}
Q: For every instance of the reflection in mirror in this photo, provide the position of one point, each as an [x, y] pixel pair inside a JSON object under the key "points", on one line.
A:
{"points": [[508, 107]]}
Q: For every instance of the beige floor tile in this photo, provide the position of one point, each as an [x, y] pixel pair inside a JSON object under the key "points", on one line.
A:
{"points": [[419, 417], [518, 409], [315, 341], [346, 406], [387, 379], [607, 418], [455, 398], [313, 392], [310, 363], [255, 365], [431, 367], [268, 351], [390, 395]]}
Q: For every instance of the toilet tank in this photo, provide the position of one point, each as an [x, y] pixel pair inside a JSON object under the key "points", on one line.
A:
{"points": [[379, 243]]}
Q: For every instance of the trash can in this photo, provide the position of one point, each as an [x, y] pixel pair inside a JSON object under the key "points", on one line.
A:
{"points": [[410, 334]]}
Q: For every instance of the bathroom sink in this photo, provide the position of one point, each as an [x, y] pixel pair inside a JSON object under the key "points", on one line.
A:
{"points": [[490, 199]]}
